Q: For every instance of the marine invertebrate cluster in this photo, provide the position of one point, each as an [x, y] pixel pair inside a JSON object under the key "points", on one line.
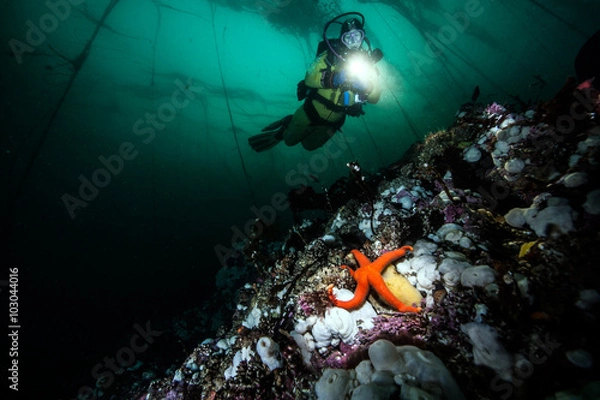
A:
{"points": [[483, 212], [387, 371]]}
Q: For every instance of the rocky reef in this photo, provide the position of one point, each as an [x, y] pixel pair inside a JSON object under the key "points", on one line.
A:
{"points": [[502, 211]]}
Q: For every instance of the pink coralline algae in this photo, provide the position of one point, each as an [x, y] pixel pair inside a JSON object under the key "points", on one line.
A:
{"points": [[453, 213], [403, 193], [306, 305], [397, 325], [495, 109]]}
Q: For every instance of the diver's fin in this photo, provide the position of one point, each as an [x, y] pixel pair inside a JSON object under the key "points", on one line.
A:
{"points": [[272, 135], [264, 141], [277, 125]]}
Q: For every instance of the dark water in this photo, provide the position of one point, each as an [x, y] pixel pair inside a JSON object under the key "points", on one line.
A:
{"points": [[124, 142]]}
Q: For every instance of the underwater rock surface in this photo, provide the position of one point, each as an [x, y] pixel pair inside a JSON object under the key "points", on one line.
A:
{"points": [[502, 210]]}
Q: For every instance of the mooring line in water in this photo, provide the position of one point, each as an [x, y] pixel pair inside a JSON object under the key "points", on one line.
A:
{"points": [[561, 19], [158, 23], [406, 49], [373, 142], [235, 136], [388, 86], [77, 64]]}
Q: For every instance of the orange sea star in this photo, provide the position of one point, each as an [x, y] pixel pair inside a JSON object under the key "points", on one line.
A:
{"points": [[367, 275]]}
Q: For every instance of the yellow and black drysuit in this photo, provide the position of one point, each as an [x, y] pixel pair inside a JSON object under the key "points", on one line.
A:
{"points": [[326, 102]]}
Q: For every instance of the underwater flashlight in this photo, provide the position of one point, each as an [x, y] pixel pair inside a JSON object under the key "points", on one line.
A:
{"points": [[358, 67], [361, 72]]}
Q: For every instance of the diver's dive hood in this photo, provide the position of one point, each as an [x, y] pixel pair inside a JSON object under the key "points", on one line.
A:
{"points": [[352, 35]]}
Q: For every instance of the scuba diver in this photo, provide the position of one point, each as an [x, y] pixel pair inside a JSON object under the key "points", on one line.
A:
{"points": [[341, 79]]}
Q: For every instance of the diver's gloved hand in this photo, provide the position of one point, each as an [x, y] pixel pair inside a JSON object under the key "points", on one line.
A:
{"points": [[360, 86], [341, 78]]}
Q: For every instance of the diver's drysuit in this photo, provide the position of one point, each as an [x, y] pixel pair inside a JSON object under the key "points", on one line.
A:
{"points": [[326, 103], [325, 107]]}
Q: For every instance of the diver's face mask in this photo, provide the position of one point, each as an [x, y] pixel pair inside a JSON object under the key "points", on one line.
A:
{"points": [[353, 38]]}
